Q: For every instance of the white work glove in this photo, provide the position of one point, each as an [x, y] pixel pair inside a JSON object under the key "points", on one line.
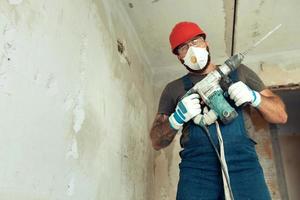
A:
{"points": [[185, 110], [241, 93], [206, 119]]}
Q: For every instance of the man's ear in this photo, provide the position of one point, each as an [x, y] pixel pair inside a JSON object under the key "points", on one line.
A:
{"points": [[206, 43], [180, 59]]}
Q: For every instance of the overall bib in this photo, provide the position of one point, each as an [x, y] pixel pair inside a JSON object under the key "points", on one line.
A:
{"points": [[200, 170]]}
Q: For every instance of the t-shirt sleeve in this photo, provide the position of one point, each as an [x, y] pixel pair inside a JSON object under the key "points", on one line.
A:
{"points": [[250, 78], [167, 102]]}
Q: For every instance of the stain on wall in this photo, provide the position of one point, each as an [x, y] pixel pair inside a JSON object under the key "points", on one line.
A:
{"points": [[229, 25], [15, 2], [78, 116]]}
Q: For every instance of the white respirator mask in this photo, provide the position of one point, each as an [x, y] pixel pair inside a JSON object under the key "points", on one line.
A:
{"points": [[196, 58]]}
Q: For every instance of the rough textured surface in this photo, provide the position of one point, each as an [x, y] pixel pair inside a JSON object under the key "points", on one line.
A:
{"points": [[75, 111], [258, 130], [253, 20], [154, 21]]}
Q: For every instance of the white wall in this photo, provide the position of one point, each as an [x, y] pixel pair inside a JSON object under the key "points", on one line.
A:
{"points": [[75, 114]]}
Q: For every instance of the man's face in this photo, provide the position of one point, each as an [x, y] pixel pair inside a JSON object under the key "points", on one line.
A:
{"points": [[197, 41], [182, 50]]}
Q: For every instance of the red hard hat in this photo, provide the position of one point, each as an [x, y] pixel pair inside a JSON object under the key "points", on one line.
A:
{"points": [[183, 32]]}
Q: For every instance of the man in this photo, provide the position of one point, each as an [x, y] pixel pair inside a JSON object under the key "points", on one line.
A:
{"points": [[200, 171]]}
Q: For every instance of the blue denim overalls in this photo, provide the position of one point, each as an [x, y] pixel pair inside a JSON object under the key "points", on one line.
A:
{"points": [[200, 171]]}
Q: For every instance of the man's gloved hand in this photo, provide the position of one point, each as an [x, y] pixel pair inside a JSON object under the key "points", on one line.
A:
{"points": [[241, 93], [185, 110]]}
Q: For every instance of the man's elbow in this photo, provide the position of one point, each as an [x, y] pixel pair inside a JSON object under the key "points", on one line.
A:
{"points": [[283, 118], [156, 146], [280, 118]]}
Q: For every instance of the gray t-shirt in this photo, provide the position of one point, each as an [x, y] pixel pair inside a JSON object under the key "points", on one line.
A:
{"points": [[175, 89]]}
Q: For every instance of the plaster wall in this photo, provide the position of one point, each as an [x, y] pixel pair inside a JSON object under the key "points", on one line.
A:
{"points": [[154, 20], [276, 59], [75, 106]]}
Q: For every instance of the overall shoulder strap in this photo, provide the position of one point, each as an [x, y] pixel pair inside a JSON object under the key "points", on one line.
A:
{"points": [[187, 82]]}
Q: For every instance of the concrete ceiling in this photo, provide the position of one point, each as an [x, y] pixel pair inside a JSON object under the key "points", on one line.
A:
{"points": [[154, 19]]}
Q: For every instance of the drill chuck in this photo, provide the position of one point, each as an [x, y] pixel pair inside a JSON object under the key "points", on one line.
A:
{"points": [[234, 61]]}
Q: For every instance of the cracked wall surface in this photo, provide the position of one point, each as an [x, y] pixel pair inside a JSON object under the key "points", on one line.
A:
{"points": [[75, 112]]}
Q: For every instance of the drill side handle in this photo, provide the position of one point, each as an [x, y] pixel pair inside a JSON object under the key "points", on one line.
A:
{"points": [[225, 83]]}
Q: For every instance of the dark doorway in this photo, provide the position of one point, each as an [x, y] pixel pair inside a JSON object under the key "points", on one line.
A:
{"points": [[286, 144]]}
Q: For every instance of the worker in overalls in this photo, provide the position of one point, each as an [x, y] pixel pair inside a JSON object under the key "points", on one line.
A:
{"points": [[200, 169]]}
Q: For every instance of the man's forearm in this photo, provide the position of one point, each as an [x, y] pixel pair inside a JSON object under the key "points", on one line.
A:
{"points": [[272, 108], [161, 133]]}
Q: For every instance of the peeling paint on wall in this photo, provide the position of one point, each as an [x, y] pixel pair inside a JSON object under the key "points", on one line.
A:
{"points": [[280, 76], [73, 150], [74, 115], [78, 113], [130, 5], [15, 2], [7, 53], [83, 56], [155, 1], [51, 85], [229, 20], [167, 170], [71, 186], [68, 102], [9, 46], [9, 36], [123, 52], [276, 68]]}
